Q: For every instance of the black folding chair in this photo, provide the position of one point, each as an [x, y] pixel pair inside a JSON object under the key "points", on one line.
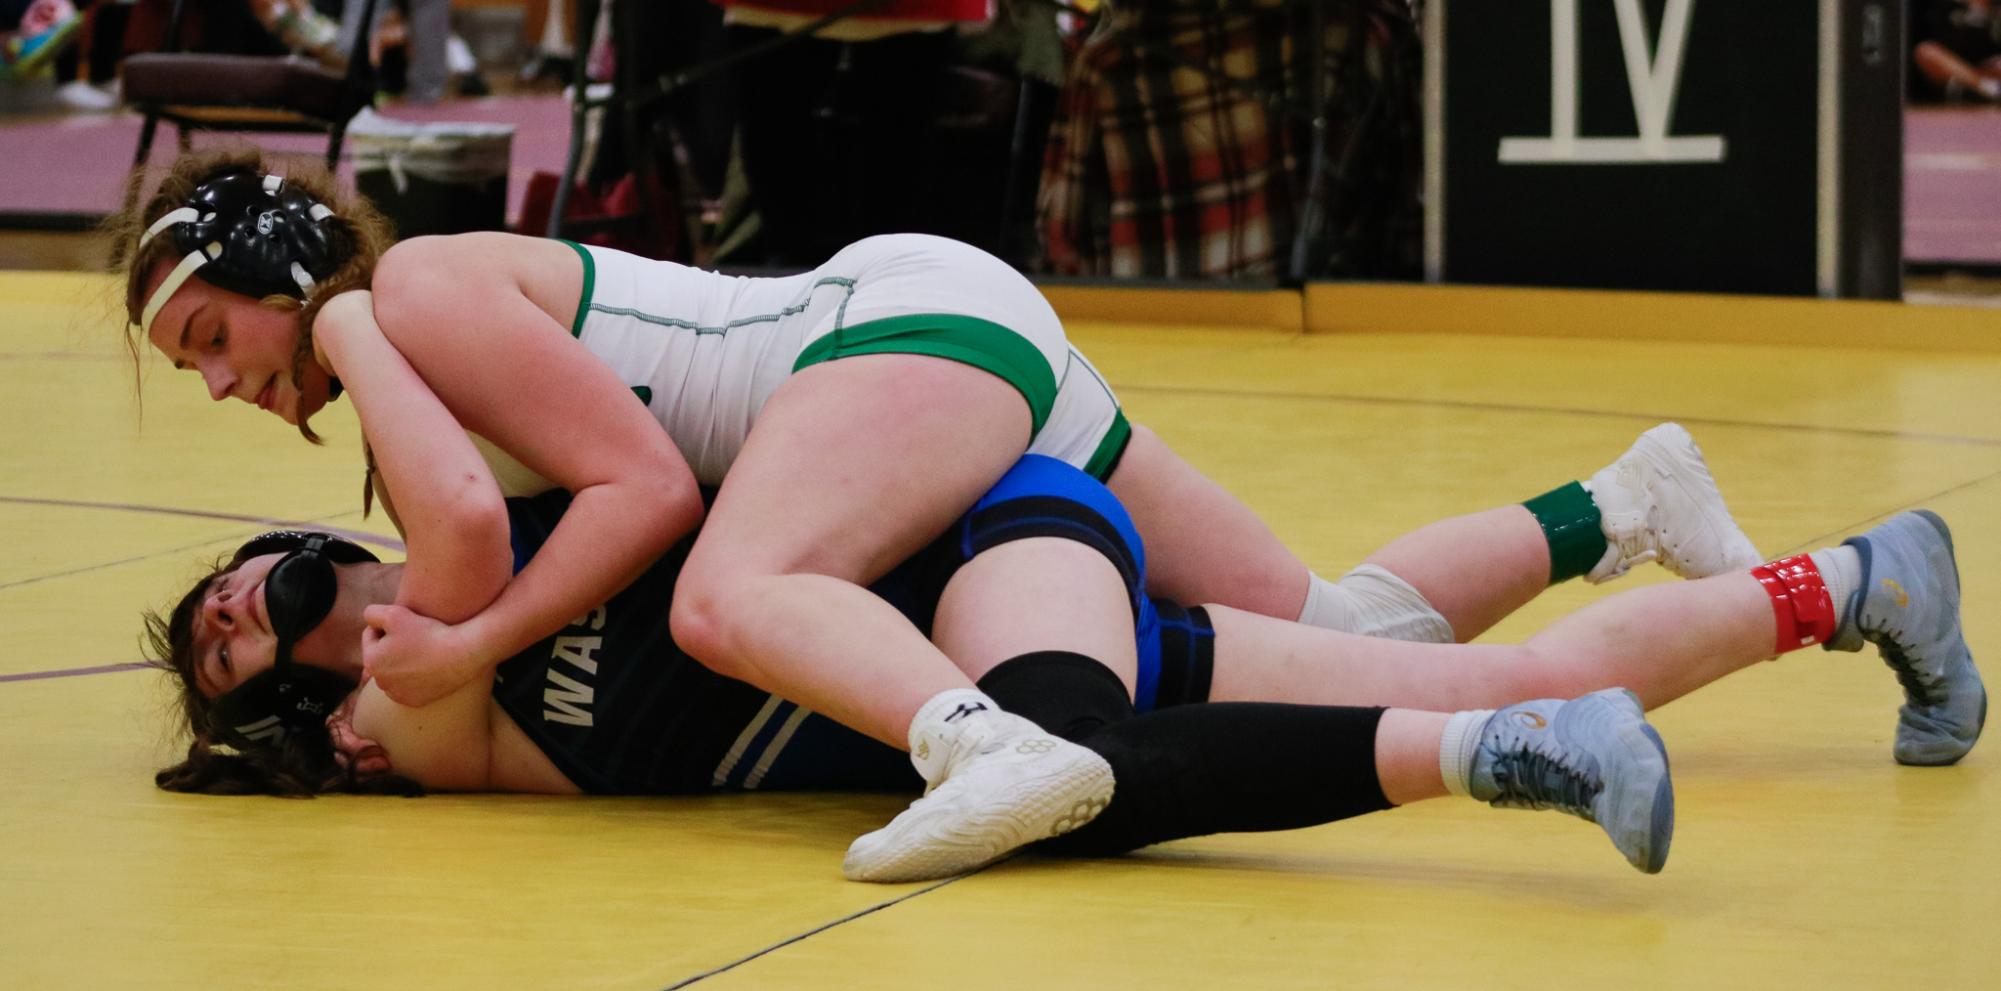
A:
{"points": [[255, 93]]}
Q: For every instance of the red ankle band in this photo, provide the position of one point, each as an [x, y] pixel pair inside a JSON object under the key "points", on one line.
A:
{"points": [[1799, 600]]}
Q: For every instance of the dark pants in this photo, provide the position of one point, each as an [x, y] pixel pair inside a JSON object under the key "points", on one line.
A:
{"points": [[838, 139]]}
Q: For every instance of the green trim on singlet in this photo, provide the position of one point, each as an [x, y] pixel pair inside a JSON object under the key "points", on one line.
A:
{"points": [[983, 344], [590, 283], [1110, 448]]}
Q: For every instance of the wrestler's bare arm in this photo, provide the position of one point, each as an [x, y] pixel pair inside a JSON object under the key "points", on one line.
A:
{"points": [[451, 511], [460, 310], [446, 745]]}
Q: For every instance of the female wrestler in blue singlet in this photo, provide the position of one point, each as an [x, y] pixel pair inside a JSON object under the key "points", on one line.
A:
{"points": [[609, 704]]}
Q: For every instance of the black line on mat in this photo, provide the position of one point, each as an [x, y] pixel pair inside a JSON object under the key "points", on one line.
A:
{"points": [[318, 523], [134, 507], [1557, 410], [705, 975]]}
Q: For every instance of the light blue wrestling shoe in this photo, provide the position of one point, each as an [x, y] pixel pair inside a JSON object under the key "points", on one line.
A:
{"points": [[1594, 757], [1908, 606]]}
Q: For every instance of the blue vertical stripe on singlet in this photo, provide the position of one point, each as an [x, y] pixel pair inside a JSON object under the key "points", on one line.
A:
{"points": [[1157, 657]]}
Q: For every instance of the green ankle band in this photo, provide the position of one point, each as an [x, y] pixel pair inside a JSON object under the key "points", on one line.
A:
{"points": [[1569, 522]]}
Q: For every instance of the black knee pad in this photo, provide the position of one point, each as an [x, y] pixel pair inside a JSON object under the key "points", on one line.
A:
{"points": [[1068, 694]]}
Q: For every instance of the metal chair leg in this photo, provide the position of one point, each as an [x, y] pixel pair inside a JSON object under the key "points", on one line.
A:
{"points": [[336, 135], [639, 149], [580, 38], [146, 131], [136, 178]]}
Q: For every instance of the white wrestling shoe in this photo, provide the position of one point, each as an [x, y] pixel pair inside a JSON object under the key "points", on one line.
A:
{"points": [[1659, 503], [1003, 783]]}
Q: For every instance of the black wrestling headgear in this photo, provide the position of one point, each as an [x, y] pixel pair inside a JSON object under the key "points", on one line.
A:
{"points": [[298, 593], [251, 234]]}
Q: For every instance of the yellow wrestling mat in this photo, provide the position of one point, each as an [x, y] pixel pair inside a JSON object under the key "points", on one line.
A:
{"points": [[1804, 858]]}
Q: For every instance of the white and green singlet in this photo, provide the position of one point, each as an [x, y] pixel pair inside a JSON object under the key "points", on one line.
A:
{"points": [[704, 351]]}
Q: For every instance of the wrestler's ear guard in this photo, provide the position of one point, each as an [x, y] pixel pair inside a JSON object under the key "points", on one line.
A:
{"points": [[299, 592]]}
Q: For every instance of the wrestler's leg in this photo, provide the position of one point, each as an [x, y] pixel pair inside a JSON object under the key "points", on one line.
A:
{"points": [[1449, 580], [1019, 614], [853, 466]]}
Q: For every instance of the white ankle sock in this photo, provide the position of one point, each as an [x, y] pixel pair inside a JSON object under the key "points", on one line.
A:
{"points": [[1841, 569], [1458, 745], [937, 727]]}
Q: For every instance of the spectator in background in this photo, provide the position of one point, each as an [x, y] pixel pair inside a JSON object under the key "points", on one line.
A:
{"points": [[40, 68], [545, 27], [231, 27], [302, 29], [411, 48], [36, 31], [1957, 49], [1180, 147], [837, 130], [417, 32]]}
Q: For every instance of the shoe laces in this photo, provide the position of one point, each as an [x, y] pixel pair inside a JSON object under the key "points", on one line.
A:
{"points": [[1919, 689], [976, 737], [1655, 537], [1529, 778], [1635, 545]]}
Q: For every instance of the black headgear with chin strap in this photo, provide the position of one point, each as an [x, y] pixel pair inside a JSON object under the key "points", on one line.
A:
{"points": [[249, 233], [299, 592]]}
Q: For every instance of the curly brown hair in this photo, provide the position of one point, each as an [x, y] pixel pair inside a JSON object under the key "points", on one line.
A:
{"points": [[301, 765], [360, 231]]}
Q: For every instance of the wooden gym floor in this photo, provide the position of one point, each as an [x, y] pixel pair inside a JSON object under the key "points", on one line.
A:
{"points": [[1805, 857]]}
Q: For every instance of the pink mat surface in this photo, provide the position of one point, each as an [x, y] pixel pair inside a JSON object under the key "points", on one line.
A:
{"points": [[1952, 185], [75, 164]]}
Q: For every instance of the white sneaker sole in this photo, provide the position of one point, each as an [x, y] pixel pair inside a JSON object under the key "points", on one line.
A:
{"points": [[940, 836]]}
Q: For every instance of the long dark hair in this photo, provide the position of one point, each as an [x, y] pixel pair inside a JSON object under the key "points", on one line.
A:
{"points": [[301, 765]]}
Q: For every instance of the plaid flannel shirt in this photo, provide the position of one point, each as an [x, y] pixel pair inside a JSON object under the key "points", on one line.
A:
{"points": [[1170, 155]]}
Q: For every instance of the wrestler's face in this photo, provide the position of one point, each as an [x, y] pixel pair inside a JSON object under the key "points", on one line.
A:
{"points": [[232, 632], [233, 639], [241, 347]]}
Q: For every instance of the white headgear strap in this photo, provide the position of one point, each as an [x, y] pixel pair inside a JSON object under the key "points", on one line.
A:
{"points": [[181, 272], [196, 259]]}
